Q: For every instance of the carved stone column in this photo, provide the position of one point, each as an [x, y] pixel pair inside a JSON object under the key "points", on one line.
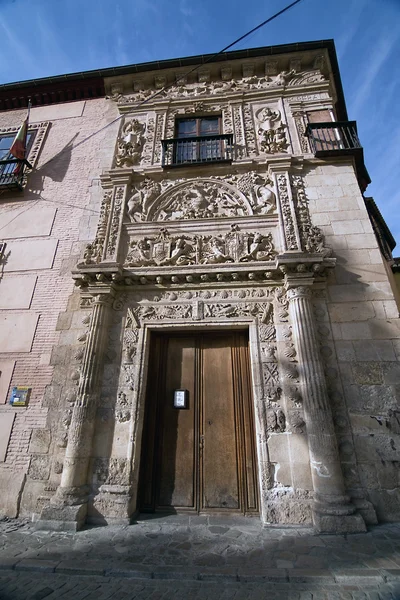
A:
{"points": [[332, 510], [68, 507]]}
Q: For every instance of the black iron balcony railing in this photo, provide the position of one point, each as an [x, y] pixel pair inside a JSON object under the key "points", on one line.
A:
{"points": [[338, 138], [197, 150], [12, 171], [333, 136]]}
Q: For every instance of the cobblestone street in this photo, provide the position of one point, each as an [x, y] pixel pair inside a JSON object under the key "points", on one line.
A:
{"points": [[197, 557]]}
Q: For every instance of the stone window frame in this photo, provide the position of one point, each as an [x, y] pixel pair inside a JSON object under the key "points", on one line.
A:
{"points": [[40, 130]]}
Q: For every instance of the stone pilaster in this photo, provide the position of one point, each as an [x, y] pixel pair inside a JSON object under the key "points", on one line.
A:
{"points": [[68, 507], [332, 509]]}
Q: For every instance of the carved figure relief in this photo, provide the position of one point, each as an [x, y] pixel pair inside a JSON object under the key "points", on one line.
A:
{"points": [[181, 250], [130, 144], [141, 198], [271, 131], [258, 190], [214, 197], [205, 199], [206, 88]]}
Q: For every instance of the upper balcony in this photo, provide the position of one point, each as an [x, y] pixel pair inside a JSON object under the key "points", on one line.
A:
{"points": [[338, 138], [12, 171], [179, 152]]}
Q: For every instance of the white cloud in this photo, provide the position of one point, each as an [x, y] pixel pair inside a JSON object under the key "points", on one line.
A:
{"points": [[380, 53]]}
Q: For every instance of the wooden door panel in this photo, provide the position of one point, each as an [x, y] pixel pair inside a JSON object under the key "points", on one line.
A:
{"points": [[177, 444], [219, 456], [202, 457], [247, 444]]}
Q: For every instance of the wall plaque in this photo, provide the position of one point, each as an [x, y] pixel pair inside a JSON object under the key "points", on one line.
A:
{"points": [[20, 395], [181, 398]]}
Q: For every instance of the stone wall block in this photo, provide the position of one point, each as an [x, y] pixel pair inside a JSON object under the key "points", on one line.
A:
{"points": [[377, 447], [40, 441], [39, 467], [367, 373], [387, 504], [391, 373]]}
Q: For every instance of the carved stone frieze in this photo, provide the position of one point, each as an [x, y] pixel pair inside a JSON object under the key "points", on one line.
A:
{"points": [[147, 151], [166, 250], [117, 209], [249, 128], [312, 238], [287, 216], [238, 128], [94, 252], [158, 136], [206, 198], [205, 87], [112, 471], [130, 143], [300, 122], [276, 420], [271, 131]]}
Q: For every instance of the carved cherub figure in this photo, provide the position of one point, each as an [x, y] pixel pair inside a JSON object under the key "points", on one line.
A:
{"points": [[216, 254], [180, 255], [264, 199], [261, 248], [140, 255], [284, 77]]}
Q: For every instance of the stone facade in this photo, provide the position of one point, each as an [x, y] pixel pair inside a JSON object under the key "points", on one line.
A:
{"points": [[276, 241]]}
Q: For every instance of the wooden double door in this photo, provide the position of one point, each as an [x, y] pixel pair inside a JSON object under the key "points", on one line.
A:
{"points": [[200, 457]]}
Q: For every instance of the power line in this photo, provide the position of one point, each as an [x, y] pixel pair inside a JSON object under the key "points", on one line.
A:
{"points": [[179, 78], [162, 90]]}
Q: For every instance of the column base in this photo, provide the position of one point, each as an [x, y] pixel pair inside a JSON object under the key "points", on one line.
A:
{"points": [[62, 518], [67, 510], [336, 514], [113, 505], [339, 523]]}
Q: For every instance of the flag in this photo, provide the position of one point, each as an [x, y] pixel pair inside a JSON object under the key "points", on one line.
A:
{"points": [[18, 147]]}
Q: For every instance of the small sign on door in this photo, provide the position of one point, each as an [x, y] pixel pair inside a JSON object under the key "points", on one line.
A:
{"points": [[181, 398]]}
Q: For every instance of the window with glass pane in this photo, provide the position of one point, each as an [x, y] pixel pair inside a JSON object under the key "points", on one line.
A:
{"points": [[8, 170], [199, 149], [6, 143]]}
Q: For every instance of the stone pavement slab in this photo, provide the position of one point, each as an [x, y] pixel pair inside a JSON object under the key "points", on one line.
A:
{"points": [[201, 557]]}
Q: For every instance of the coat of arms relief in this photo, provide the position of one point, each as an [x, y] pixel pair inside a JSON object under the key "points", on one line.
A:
{"points": [[233, 247]]}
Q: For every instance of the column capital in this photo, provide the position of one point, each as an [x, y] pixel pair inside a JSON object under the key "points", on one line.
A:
{"points": [[300, 291]]}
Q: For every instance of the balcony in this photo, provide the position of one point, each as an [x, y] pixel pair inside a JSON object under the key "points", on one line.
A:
{"points": [[181, 152], [338, 138], [12, 171]]}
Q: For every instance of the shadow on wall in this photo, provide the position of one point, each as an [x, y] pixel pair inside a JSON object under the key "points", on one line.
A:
{"points": [[368, 429], [55, 169]]}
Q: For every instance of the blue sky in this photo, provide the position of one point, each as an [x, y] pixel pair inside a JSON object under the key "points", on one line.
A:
{"points": [[39, 38]]}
